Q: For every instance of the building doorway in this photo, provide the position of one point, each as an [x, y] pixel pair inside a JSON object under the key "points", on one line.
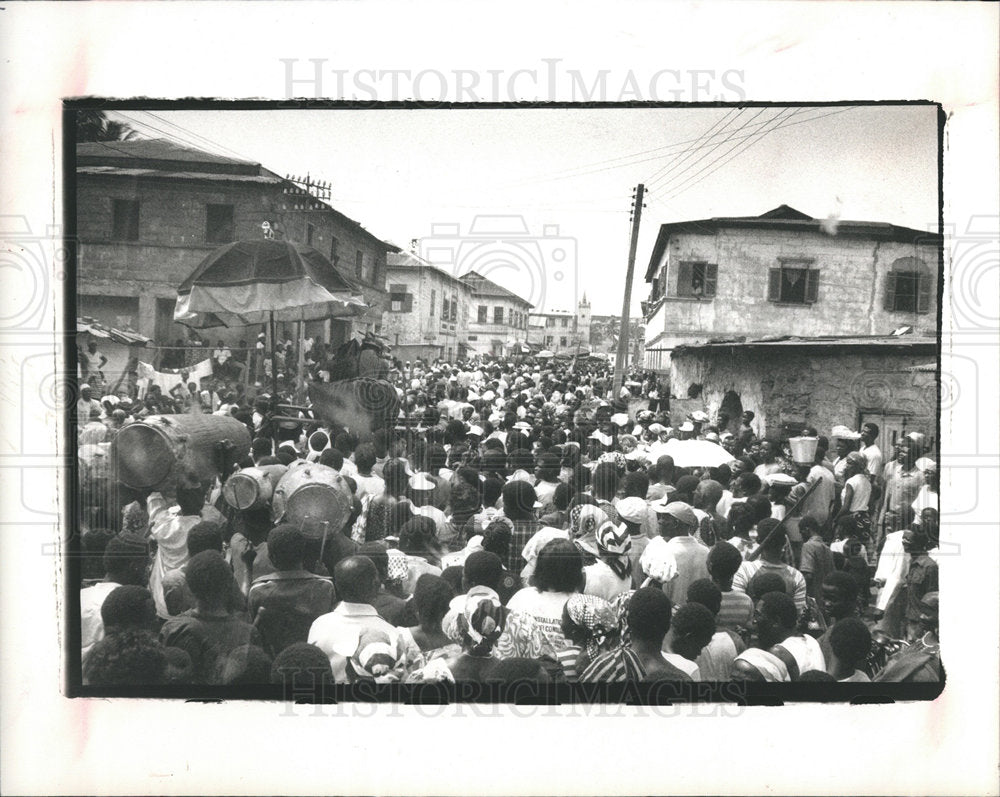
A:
{"points": [[732, 408]]}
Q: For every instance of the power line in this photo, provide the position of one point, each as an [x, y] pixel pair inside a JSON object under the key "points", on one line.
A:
{"points": [[784, 123], [668, 186], [192, 140], [706, 136], [566, 175]]}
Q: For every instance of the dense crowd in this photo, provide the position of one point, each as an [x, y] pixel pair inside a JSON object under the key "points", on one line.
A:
{"points": [[518, 526]]}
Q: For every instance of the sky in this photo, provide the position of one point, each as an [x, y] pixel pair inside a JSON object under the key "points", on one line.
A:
{"points": [[563, 179]]}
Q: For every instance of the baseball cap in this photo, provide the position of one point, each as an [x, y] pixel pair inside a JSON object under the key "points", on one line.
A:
{"points": [[676, 509]]}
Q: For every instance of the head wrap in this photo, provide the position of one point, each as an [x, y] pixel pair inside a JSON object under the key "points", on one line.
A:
{"points": [[614, 544], [481, 623], [767, 664], [619, 605], [375, 656], [584, 521], [592, 618], [398, 567], [617, 458]]}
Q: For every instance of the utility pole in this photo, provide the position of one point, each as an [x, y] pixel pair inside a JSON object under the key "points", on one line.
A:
{"points": [[622, 353]]}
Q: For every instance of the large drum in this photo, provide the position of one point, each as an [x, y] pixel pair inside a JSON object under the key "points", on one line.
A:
{"points": [[314, 497], [151, 454], [252, 488]]}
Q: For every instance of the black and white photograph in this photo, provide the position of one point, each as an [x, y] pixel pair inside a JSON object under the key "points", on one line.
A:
{"points": [[536, 397], [524, 398]]}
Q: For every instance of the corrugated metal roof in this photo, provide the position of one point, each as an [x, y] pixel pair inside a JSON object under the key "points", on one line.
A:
{"points": [[406, 260], [826, 341], [118, 171], [152, 149], [784, 217], [485, 287], [92, 327]]}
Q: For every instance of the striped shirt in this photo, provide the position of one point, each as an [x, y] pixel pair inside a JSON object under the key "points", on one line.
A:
{"points": [[736, 611], [795, 582]]}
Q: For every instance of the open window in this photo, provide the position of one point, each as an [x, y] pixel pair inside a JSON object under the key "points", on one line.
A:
{"points": [[908, 286], [697, 280], [793, 282]]}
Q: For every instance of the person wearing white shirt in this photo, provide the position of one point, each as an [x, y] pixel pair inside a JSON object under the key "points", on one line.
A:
{"points": [[873, 454], [169, 526], [125, 562], [337, 633]]}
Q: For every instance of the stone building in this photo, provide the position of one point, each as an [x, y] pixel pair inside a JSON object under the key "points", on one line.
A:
{"points": [[498, 318], [561, 331], [785, 273], [149, 211], [427, 313], [793, 382]]}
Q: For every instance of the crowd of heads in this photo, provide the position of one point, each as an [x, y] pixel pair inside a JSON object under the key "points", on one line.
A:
{"points": [[519, 523]]}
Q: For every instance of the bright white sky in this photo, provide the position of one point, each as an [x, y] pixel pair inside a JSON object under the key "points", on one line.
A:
{"points": [[398, 172]]}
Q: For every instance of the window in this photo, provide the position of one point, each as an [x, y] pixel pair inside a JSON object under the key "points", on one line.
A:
{"points": [[562, 342], [445, 309], [696, 280], [359, 264], [434, 298], [565, 322], [481, 317], [497, 315], [399, 300], [793, 282], [309, 234], [550, 322], [473, 338], [219, 227], [548, 340], [125, 220], [454, 308], [908, 287], [334, 257]]}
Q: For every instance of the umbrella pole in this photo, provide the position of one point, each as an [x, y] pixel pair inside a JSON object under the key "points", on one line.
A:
{"points": [[274, 379]]}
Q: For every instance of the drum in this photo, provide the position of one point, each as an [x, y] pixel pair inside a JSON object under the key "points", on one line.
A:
{"points": [[151, 454], [313, 497], [247, 489]]}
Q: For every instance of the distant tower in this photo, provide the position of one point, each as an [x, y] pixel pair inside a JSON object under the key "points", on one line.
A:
{"points": [[583, 321]]}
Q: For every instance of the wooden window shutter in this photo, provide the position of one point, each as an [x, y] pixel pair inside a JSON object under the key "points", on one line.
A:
{"points": [[774, 285], [711, 278], [408, 303], [812, 285], [923, 293], [890, 291], [684, 280]]}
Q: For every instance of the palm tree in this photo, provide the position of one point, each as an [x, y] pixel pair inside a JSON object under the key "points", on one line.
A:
{"points": [[92, 125]]}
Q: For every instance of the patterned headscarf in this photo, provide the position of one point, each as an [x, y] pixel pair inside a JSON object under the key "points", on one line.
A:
{"points": [[399, 567], [584, 521], [620, 606], [480, 624], [375, 657], [617, 458], [613, 545], [592, 617]]}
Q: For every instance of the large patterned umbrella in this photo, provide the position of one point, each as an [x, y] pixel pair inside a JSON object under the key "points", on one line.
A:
{"points": [[254, 282]]}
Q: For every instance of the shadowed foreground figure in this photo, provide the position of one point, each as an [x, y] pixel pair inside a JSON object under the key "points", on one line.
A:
{"points": [[363, 405]]}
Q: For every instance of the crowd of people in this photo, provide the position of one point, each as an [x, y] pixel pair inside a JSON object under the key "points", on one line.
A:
{"points": [[518, 526]]}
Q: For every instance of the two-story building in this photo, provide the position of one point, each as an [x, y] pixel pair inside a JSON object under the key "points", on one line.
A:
{"points": [[149, 211], [427, 313], [498, 318], [561, 331], [786, 273]]}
